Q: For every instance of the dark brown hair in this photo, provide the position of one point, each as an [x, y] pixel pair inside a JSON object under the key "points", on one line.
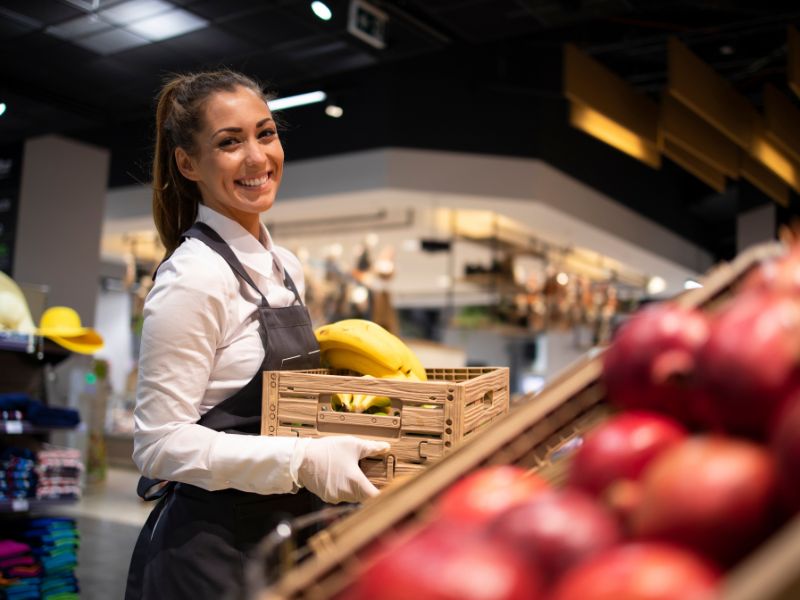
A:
{"points": [[179, 117]]}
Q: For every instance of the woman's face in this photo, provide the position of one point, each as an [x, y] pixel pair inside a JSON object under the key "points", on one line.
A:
{"points": [[238, 160]]}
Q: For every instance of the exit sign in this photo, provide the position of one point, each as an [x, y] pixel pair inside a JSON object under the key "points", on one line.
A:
{"points": [[367, 23]]}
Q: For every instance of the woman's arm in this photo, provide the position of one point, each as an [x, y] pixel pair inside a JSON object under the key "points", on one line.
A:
{"points": [[185, 318]]}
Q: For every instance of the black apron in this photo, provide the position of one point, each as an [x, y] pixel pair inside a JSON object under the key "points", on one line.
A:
{"points": [[195, 542]]}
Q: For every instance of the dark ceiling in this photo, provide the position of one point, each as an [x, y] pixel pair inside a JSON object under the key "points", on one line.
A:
{"points": [[464, 75]]}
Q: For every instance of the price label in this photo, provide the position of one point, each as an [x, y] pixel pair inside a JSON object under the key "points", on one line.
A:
{"points": [[13, 426], [19, 504]]}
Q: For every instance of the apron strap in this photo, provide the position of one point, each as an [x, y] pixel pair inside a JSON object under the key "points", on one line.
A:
{"points": [[212, 239]]}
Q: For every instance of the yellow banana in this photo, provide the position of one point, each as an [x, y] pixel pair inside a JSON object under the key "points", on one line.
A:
{"points": [[362, 402], [370, 339], [338, 358]]}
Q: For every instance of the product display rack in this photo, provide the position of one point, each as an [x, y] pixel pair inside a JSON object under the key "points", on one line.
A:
{"points": [[23, 358]]}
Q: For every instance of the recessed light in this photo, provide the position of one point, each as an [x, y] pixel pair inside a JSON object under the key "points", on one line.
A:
{"points": [[321, 10], [2, 108], [332, 110]]}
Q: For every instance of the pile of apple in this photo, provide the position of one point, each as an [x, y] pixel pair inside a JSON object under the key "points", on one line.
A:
{"points": [[699, 465]]}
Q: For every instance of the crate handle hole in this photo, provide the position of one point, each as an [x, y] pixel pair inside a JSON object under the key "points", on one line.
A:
{"points": [[488, 397]]}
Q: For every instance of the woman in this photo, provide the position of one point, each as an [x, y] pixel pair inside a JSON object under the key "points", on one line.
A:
{"points": [[226, 305]]}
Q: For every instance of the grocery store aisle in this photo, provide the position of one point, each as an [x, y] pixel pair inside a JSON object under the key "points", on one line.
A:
{"points": [[109, 518]]}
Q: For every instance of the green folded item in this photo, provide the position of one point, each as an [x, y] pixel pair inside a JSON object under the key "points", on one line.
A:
{"points": [[62, 596]]}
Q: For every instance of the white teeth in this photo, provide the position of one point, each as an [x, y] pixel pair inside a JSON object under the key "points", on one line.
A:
{"points": [[253, 182]]}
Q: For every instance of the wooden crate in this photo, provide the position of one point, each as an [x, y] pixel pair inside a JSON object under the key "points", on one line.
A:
{"points": [[535, 435], [430, 418]]}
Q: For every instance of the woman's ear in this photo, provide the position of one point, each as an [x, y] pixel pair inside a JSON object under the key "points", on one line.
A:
{"points": [[185, 164]]}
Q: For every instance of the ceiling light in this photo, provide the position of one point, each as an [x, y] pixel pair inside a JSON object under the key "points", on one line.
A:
{"points": [[80, 27], [656, 285], [2, 108], [321, 10], [167, 25], [134, 10], [111, 41], [691, 284], [332, 110], [298, 100]]}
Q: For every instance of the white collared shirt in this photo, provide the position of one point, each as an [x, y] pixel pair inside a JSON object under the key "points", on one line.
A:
{"points": [[200, 345]]}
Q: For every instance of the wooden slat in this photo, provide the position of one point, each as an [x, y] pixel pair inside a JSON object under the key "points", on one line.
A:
{"points": [[793, 50], [765, 180], [782, 122], [703, 171], [704, 91], [591, 86], [698, 138], [423, 420]]}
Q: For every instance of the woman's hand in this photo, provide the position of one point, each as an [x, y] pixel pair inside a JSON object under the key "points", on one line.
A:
{"points": [[328, 467]]}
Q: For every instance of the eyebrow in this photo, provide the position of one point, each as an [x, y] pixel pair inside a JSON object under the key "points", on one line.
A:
{"points": [[260, 124]]}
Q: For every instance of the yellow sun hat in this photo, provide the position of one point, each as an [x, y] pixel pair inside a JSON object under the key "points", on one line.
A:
{"points": [[62, 324], [15, 315]]}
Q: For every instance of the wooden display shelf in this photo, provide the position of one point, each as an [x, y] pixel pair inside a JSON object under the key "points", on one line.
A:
{"points": [[535, 435]]}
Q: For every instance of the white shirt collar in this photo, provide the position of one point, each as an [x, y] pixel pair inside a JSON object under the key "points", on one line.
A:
{"points": [[249, 250]]}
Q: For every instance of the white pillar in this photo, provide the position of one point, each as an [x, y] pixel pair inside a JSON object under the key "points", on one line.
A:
{"points": [[61, 204]]}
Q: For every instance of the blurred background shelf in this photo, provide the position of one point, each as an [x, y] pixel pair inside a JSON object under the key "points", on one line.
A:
{"points": [[21, 505]]}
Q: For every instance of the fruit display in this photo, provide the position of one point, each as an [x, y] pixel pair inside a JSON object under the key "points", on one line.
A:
{"points": [[665, 467], [698, 464]]}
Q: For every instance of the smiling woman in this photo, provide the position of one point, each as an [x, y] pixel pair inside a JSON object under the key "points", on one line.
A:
{"points": [[225, 306]]}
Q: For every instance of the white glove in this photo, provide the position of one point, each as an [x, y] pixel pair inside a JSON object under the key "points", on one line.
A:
{"points": [[328, 467]]}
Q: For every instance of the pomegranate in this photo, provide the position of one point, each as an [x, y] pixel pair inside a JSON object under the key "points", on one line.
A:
{"points": [[776, 275], [750, 363], [651, 362], [713, 494], [620, 448], [481, 495], [786, 447], [556, 530], [446, 564], [640, 571]]}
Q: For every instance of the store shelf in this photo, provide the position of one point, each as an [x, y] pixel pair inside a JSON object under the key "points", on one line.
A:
{"points": [[19, 505], [41, 350], [26, 428]]}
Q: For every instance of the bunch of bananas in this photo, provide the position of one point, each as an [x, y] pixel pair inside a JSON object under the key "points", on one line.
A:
{"points": [[367, 348]]}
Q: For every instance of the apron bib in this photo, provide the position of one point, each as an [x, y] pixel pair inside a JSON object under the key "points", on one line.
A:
{"points": [[195, 542]]}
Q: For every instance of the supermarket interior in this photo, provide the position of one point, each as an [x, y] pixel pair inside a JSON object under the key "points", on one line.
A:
{"points": [[509, 289]]}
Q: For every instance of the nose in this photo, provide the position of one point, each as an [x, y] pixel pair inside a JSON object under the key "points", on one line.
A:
{"points": [[254, 154]]}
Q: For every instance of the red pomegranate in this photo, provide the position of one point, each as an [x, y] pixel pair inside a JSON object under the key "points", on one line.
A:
{"points": [[644, 571], [713, 494], [751, 362], [651, 362]]}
